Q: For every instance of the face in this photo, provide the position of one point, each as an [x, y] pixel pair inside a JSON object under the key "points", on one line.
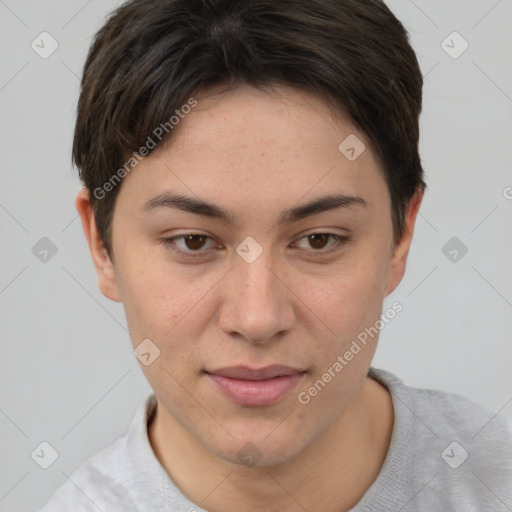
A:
{"points": [[254, 279]]}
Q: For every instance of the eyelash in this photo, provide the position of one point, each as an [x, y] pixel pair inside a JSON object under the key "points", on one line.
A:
{"points": [[340, 240]]}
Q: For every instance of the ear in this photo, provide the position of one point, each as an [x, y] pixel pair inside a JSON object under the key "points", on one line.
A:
{"points": [[401, 250], [104, 266]]}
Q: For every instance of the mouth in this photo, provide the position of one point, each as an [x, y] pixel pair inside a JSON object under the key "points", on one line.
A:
{"points": [[255, 387]]}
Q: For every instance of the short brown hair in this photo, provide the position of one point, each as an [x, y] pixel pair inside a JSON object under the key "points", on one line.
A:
{"points": [[151, 56]]}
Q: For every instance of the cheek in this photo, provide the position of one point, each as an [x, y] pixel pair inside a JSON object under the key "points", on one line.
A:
{"points": [[345, 305], [171, 307], [166, 308], [352, 295], [156, 298]]}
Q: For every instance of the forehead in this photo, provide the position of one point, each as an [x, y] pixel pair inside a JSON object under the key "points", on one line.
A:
{"points": [[249, 114], [261, 147]]}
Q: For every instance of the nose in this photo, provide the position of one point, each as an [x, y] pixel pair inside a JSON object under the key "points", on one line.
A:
{"points": [[257, 302]]}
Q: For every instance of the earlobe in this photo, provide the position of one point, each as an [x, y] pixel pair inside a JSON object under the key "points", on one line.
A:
{"points": [[401, 250], [104, 267]]}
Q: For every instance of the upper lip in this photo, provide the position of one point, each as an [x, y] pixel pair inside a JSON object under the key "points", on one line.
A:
{"points": [[246, 373]]}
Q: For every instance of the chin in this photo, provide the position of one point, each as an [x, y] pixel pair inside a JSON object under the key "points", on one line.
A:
{"points": [[259, 447]]}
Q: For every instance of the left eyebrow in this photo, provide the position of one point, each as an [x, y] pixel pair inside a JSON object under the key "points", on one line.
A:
{"points": [[320, 205], [206, 209]]}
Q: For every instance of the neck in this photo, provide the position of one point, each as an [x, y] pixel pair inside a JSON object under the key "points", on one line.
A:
{"points": [[331, 474]]}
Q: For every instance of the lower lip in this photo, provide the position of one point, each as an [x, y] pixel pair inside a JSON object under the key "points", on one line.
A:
{"points": [[256, 392]]}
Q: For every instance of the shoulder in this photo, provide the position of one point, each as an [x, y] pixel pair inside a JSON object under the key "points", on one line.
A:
{"points": [[446, 452], [109, 479], [94, 485], [445, 412]]}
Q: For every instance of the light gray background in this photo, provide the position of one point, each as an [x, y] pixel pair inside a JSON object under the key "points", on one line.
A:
{"points": [[68, 375]]}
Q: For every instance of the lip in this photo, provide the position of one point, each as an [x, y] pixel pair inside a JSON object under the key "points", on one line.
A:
{"points": [[255, 387]]}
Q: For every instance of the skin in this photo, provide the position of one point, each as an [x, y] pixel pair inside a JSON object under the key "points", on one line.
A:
{"points": [[257, 153]]}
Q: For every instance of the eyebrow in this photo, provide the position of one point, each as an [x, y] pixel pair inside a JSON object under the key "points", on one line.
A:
{"points": [[206, 209]]}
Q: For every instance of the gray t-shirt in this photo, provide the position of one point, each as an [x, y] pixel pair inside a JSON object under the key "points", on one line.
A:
{"points": [[446, 454]]}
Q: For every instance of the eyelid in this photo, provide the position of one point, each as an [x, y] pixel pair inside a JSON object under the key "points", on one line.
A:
{"points": [[189, 254], [339, 240]]}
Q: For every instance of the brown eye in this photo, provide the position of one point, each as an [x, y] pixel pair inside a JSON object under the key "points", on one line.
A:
{"points": [[194, 242], [318, 240], [192, 245], [319, 244]]}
